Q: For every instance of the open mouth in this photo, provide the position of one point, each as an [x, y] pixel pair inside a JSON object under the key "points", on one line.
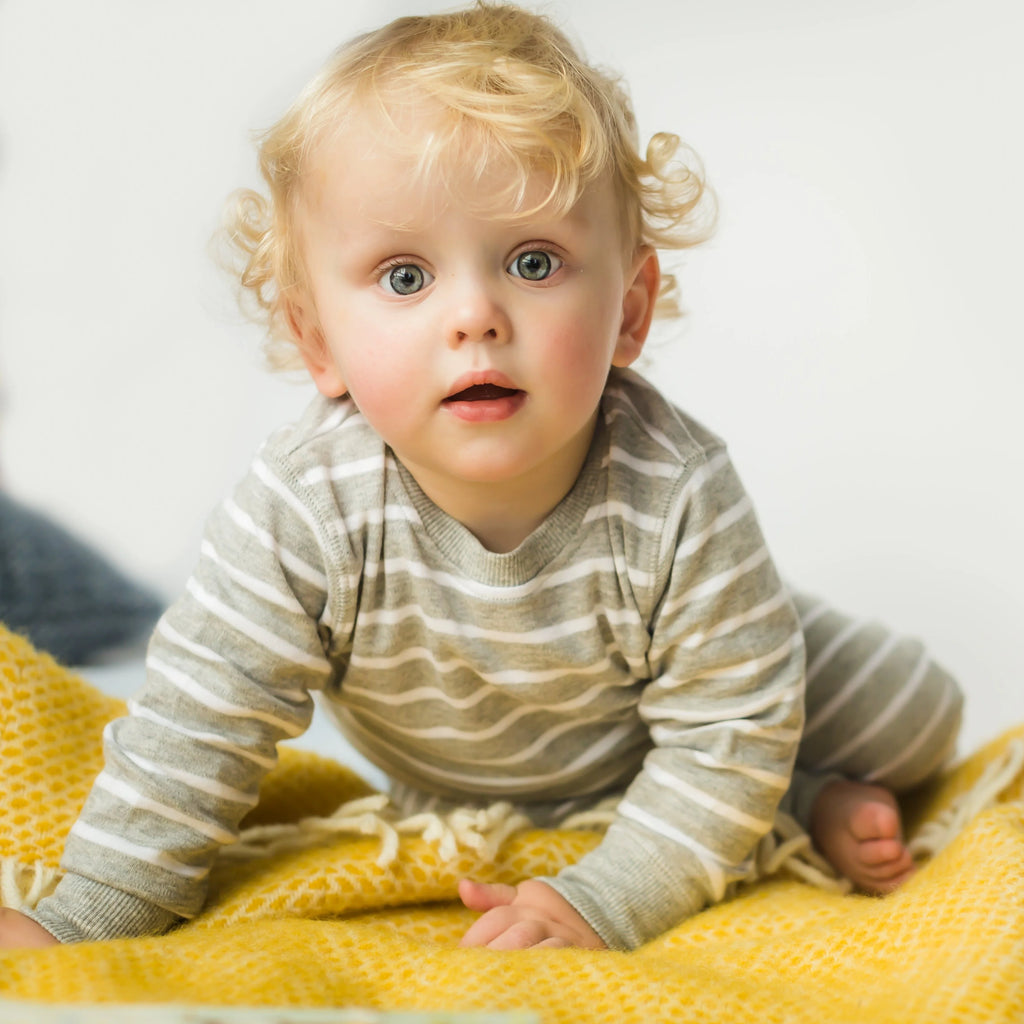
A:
{"points": [[482, 393], [476, 400]]}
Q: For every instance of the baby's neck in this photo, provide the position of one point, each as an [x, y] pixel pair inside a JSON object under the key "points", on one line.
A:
{"points": [[501, 537], [500, 517], [501, 514]]}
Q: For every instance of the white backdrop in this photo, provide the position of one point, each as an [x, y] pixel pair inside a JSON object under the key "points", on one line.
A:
{"points": [[854, 330]]}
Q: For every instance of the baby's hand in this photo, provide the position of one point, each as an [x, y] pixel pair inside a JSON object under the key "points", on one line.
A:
{"points": [[20, 932], [524, 915]]}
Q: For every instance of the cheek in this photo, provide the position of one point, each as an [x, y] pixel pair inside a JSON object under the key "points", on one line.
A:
{"points": [[376, 382], [581, 345], [382, 375]]}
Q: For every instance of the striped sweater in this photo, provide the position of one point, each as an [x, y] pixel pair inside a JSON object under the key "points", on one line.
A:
{"points": [[639, 642]]}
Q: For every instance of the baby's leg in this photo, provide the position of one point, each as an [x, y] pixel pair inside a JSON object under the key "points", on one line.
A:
{"points": [[882, 717]]}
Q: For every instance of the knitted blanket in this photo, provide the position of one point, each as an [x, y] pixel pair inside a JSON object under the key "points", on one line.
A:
{"points": [[317, 914]]}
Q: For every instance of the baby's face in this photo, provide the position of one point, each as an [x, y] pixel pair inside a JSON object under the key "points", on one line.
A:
{"points": [[476, 344]]}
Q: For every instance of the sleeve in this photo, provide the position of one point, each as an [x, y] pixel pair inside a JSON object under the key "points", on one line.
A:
{"points": [[724, 708], [229, 673]]}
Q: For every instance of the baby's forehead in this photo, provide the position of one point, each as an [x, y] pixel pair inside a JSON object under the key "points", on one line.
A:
{"points": [[414, 158]]}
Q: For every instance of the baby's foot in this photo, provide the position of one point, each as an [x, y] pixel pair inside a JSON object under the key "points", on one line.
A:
{"points": [[859, 829]]}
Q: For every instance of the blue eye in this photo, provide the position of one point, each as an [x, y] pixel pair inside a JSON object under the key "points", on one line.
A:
{"points": [[534, 265], [404, 279]]}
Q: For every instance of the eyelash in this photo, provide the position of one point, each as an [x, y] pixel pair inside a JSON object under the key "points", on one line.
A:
{"points": [[555, 261], [384, 274], [386, 271]]}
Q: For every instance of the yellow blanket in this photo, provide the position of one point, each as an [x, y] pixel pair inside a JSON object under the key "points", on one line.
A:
{"points": [[327, 925]]}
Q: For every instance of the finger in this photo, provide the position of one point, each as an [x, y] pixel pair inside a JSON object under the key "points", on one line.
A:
{"points": [[553, 942], [520, 935], [487, 928], [484, 896]]}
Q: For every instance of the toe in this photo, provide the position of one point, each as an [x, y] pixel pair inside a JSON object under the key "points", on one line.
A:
{"points": [[880, 853], [886, 875], [876, 820]]}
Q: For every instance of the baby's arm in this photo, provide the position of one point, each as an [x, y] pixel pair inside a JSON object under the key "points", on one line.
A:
{"points": [[229, 674], [724, 709]]}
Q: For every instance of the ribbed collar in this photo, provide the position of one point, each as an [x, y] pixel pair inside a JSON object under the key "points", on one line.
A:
{"points": [[556, 536]]}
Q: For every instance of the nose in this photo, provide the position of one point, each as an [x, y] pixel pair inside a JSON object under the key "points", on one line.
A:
{"points": [[476, 314]]}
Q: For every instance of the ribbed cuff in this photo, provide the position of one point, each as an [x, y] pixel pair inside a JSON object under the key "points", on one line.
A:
{"points": [[627, 892], [81, 910]]}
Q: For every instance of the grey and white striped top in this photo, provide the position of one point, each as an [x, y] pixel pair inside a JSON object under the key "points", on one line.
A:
{"points": [[639, 641]]}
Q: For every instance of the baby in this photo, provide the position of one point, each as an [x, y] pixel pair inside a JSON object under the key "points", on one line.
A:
{"points": [[508, 566]]}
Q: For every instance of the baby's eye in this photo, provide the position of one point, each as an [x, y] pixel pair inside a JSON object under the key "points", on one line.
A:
{"points": [[534, 265], [404, 279]]}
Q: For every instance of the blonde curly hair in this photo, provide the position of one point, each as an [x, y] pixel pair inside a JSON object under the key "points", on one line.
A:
{"points": [[506, 83]]}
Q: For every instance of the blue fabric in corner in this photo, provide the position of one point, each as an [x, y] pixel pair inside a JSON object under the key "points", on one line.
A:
{"points": [[65, 596]]}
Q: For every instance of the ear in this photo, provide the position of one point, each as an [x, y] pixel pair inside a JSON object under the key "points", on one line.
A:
{"points": [[316, 353], [638, 306]]}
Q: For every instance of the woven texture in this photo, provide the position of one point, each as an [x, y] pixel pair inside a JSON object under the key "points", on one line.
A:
{"points": [[327, 926], [63, 593]]}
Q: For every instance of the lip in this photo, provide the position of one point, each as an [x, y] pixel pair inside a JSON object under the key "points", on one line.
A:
{"points": [[477, 377], [484, 410]]}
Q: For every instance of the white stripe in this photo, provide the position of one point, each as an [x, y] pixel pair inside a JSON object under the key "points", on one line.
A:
{"points": [[271, 641], [262, 471], [541, 582], [158, 858], [828, 652], [375, 516], [644, 466], [543, 635], [732, 515], [590, 756], [491, 680], [259, 588], [737, 622], [210, 700], [361, 467], [211, 787], [667, 735], [812, 615], [175, 638], [746, 669], [613, 509], [207, 739], [341, 416], [498, 728], [707, 717], [716, 584], [740, 670], [708, 861], [634, 416], [850, 687], [267, 540], [698, 479], [420, 693], [131, 796], [894, 707], [923, 736], [676, 785], [767, 778]]}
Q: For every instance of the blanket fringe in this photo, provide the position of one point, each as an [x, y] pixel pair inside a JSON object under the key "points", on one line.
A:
{"points": [[934, 836], [22, 886], [483, 830], [787, 848]]}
